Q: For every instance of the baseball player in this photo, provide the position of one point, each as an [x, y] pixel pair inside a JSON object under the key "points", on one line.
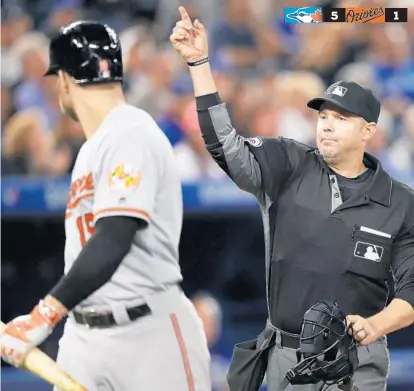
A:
{"points": [[129, 326]]}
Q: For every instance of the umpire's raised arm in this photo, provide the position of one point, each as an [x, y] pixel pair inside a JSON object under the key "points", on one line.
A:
{"points": [[336, 224], [256, 165]]}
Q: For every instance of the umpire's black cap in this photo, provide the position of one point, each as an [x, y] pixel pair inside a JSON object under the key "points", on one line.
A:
{"points": [[352, 98]]}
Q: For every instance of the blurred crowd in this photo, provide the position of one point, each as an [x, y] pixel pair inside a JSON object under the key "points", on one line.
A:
{"points": [[265, 70]]}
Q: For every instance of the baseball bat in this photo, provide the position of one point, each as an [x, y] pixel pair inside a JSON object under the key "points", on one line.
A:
{"points": [[41, 365]]}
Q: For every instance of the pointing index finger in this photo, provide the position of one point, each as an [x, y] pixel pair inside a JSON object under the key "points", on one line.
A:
{"points": [[184, 14]]}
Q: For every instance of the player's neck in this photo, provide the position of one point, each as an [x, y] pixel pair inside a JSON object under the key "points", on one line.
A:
{"points": [[95, 107]]}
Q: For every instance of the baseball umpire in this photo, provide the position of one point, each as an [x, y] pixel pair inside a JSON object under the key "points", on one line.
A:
{"points": [[336, 224], [130, 327]]}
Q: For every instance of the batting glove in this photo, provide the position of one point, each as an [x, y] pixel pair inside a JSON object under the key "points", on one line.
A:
{"points": [[27, 331]]}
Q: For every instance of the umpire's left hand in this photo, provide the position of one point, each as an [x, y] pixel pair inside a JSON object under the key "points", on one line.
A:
{"points": [[362, 329]]}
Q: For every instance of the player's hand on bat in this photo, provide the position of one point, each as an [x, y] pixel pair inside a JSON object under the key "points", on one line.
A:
{"points": [[27, 331], [362, 329], [189, 39]]}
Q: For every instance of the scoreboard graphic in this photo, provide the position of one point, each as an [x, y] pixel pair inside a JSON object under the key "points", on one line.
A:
{"points": [[345, 15]]}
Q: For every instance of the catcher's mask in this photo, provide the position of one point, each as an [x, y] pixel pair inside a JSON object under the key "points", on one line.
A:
{"points": [[327, 352]]}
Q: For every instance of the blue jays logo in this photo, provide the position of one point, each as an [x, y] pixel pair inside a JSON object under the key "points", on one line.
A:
{"points": [[303, 15]]}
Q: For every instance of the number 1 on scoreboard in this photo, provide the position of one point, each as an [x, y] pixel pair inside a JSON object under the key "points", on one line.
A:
{"points": [[396, 15]]}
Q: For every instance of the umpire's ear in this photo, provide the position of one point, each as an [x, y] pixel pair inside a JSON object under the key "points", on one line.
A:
{"points": [[369, 129]]}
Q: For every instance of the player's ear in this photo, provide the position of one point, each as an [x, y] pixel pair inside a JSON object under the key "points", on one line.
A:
{"points": [[63, 81]]}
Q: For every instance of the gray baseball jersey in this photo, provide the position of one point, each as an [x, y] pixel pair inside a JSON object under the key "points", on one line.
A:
{"points": [[127, 168]]}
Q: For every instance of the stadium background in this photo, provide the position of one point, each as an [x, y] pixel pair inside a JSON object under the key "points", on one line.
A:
{"points": [[264, 69]]}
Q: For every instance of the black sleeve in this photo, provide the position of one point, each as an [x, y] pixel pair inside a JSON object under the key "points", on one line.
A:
{"points": [[257, 164], [98, 260], [403, 265]]}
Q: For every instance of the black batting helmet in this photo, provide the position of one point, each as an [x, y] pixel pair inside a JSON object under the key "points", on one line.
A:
{"points": [[90, 52], [329, 352]]}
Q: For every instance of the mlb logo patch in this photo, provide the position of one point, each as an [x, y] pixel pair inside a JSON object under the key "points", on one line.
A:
{"points": [[338, 90], [368, 251], [104, 70], [303, 15]]}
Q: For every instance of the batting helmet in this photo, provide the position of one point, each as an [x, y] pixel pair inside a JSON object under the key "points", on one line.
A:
{"points": [[90, 52], [329, 352]]}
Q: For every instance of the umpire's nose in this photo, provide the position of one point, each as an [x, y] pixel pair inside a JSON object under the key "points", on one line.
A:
{"points": [[328, 126], [327, 129]]}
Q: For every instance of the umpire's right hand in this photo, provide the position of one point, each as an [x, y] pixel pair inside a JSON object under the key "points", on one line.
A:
{"points": [[189, 39]]}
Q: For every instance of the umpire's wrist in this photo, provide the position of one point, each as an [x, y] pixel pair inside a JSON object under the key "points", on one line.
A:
{"points": [[197, 62]]}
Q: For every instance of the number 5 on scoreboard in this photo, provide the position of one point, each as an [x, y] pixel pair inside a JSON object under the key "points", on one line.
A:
{"points": [[85, 227], [333, 15]]}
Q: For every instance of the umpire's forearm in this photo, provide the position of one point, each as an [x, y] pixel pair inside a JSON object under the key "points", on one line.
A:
{"points": [[397, 315], [203, 80]]}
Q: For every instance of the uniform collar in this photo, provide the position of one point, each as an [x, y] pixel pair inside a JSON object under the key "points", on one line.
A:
{"points": [[381, 188]]}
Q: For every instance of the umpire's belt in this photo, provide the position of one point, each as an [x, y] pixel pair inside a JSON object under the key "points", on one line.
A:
{"points": [[283, 338], [93, 319]]}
